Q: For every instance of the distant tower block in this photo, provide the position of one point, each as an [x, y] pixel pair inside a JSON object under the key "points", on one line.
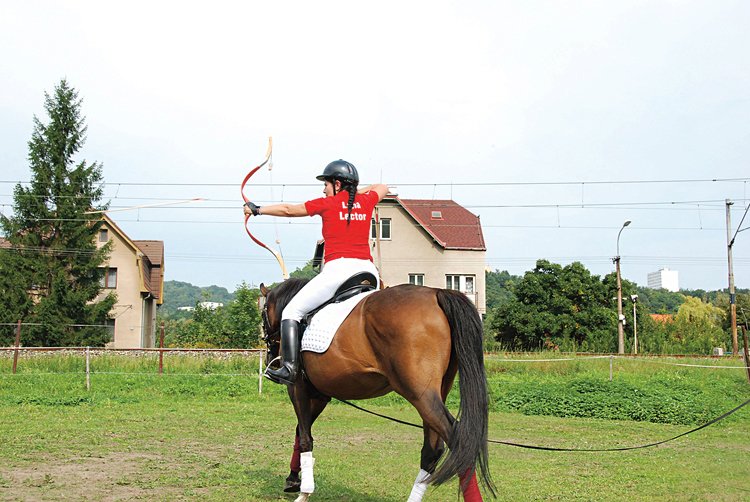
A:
{"points": [[664, 279]]}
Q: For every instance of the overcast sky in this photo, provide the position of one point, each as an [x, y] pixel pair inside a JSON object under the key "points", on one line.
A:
{"points": [[529, 113]]}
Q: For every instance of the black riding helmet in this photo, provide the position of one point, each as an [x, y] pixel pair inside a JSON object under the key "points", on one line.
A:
{"points": [[340, 170]]}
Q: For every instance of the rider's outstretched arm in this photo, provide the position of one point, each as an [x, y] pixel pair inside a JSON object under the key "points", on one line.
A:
{"points": [[283, 209], [381, 190]]}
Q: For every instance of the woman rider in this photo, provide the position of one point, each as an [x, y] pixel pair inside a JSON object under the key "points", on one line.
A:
{"points": [[346, 214]]}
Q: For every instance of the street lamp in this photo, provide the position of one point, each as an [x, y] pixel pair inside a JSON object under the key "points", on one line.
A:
{"points": [[620, 317], [634, 298]]}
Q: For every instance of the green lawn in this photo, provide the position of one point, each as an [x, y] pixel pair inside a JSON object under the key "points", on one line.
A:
{"points": [[209, 436]]}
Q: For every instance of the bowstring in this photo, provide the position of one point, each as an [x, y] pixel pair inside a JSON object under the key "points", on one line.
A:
{"points": [[273, 198]]}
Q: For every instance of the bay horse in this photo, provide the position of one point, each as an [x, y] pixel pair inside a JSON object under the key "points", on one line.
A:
{"points": [[411, 340]]}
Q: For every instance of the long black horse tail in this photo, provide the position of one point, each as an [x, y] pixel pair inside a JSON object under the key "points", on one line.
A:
{"points": [[467, 447]]}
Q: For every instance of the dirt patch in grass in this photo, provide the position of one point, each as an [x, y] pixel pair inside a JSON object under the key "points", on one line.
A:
{"points": [[114, 477]]}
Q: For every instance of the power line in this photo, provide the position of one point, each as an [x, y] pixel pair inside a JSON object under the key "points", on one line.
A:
{"points": [[673, 206], [444, 184], [579, 205], [416, 225], [296, 222], [636, 259]]}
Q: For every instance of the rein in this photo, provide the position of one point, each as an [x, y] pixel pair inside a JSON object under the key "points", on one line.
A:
{"points": [[549, 448]]}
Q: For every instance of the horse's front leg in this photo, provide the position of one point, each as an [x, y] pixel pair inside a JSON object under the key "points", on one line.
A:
{"points": [[300, 395], [292, 482]]}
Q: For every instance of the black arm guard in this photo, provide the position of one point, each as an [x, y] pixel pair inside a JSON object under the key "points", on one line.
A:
{"points": [[253, 208]]}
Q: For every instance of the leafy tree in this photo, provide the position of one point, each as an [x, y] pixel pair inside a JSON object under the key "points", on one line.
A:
{"points": [[498, 287], [498, 290], [695, 310], [52, 269], [660, 301], [306, 272], [654, 336], [556, 307], [243, 318], [742, 305], [183, 294], [698, 326], [696, 329], [234, 326], [712, 296]]}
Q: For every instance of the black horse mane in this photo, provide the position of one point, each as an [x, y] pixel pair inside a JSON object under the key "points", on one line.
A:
{"points": [[282, 294]]}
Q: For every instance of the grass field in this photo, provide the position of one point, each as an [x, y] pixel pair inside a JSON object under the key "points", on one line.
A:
{"points": [[202, 432]]}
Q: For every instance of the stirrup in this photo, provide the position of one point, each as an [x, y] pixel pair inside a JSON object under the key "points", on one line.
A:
{"points": [[268, 368], [269, 373], [277, 358]]}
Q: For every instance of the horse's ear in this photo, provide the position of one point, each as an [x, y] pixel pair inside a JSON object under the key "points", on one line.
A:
{"points": [[263, 289]]}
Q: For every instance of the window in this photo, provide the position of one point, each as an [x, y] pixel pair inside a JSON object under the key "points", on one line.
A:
{"points": [[463, 283], [109, 278], [437, 215], [385, 229], [452, 282], [469, 285], [417, 279], [103, 235]]}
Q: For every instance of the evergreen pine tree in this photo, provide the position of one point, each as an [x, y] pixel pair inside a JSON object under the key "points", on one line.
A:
{"points": [[52, 269]]}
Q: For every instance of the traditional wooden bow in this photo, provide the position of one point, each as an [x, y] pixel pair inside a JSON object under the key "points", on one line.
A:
{"points": [[268, 160]]}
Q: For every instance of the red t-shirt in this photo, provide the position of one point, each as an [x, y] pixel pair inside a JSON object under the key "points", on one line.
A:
{"points": [[342, 240]]}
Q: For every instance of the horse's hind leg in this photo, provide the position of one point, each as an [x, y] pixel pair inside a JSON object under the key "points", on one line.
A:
{"points": [[437, 423], [432, 449], [470, 487]]}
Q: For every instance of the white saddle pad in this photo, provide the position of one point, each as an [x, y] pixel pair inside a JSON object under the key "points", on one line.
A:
{"points": [[319, 334]]}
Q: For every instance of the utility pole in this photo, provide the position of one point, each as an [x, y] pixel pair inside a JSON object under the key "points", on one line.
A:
{"points": [[732, 296], [620, 317], [634, 298]]}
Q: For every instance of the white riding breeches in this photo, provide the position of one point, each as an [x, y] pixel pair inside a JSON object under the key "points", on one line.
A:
{"points": [[322, 287]]}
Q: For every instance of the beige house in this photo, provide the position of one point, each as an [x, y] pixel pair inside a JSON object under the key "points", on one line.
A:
{"points": [[435, 243], [135, 272]]}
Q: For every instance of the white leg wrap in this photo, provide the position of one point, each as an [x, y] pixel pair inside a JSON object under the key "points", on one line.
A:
{"points": [[420, 487], [306, 473]]}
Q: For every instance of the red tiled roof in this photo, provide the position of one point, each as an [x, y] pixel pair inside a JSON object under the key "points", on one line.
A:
{"points": [[154, 250], [453, 228], [662, 318]]}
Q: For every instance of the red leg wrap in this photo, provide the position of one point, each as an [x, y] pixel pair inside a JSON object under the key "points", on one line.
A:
{"points": [[294, 464], [470, 487]]}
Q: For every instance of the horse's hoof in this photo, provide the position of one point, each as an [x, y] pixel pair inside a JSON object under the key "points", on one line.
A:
{"points": [[303, 497], [292, 483]]}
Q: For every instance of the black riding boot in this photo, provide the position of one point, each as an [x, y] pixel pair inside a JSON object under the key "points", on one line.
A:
{"points": [[287, 373]]}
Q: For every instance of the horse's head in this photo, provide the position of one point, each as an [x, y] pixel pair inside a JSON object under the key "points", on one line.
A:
{"points": [[272, 302]]}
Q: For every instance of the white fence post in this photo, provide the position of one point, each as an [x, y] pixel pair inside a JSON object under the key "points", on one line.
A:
{"points": [[260, 372], [88, 369]]}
